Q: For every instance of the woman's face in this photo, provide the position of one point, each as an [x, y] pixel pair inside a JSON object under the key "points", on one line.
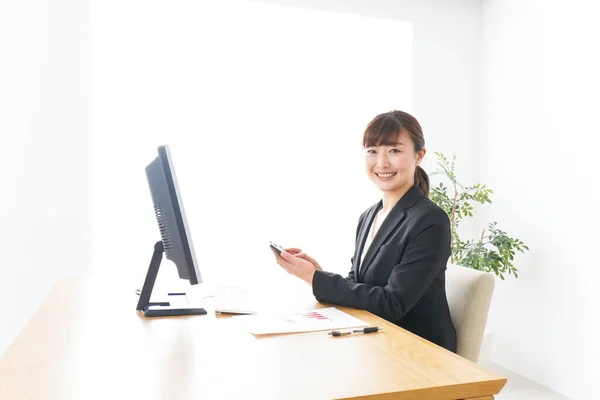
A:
{"points": [[392, 168]]}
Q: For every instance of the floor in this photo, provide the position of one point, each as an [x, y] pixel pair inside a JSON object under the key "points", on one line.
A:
{"points": [[520, 388]]}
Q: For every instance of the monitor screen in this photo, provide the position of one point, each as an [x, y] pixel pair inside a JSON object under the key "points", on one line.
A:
{"points": [[170, 215]]}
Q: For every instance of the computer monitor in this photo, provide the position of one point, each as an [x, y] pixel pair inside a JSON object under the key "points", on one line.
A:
{"points": [[176, 241]]}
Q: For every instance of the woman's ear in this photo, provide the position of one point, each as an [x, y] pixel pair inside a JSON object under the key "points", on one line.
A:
{"points": [[421, 155]]}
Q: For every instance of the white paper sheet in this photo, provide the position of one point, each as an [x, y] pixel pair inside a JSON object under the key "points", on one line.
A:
{"points": [[306, 321]]}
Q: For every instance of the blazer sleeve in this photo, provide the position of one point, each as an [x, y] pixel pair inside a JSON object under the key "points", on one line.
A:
{"points": [[425, 255]]}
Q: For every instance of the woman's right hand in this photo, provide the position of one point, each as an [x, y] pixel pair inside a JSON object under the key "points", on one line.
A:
{"points": [[300, 254]]}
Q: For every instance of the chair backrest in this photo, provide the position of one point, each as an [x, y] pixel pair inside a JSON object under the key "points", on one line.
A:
{"points": [[469, 294]]}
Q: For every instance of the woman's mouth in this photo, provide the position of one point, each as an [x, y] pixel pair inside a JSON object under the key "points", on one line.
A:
{"points": [[386, 176]]}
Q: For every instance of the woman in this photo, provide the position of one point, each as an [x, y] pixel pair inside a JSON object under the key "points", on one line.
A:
{"points": [[402, 242]]}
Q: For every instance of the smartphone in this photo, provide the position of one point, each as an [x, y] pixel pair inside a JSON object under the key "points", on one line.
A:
{"points": [[278, 249]]}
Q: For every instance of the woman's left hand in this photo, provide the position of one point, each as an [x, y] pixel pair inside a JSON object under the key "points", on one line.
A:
{"points": [[297, 266]]}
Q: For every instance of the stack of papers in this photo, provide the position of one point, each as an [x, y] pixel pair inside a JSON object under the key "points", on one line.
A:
{"points": [[305, 321]]}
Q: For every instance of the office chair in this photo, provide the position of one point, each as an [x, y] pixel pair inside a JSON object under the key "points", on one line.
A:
{"points": [[469, 294]]}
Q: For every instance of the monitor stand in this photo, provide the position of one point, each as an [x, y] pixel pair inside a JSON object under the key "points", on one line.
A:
{"points": [[162, 309]]}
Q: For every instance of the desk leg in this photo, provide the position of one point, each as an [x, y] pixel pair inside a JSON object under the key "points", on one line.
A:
{"points": [[481, 398]]}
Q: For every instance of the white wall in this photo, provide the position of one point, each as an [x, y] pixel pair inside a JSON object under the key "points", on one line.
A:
{"points": [[540, 86], [45, 197], [265, 121], [446, 77], [446, 70], [174, 88]]}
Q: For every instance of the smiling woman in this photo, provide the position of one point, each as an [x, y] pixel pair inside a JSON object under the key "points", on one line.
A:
{"points": [[402, 242]]}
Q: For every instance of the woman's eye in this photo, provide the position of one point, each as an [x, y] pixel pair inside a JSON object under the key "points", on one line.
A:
{"points": [[395, 151], [370, 151]]}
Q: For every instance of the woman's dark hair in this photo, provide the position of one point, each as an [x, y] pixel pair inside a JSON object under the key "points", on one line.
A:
{"points": [[385, 129]]}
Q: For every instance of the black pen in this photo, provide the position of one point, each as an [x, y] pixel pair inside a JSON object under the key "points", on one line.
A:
{"points": [[369, 329]]}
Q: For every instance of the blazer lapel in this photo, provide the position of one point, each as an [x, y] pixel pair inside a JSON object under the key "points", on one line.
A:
{"points": [[362, 237], [393, 219]]}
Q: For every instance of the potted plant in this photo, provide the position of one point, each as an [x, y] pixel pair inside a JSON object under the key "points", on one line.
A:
{"points": [[495, 250]]}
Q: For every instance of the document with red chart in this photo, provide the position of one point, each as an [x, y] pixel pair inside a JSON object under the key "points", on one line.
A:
{"points": [[305, 321]]}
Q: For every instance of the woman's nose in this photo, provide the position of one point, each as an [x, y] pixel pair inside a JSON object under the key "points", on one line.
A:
{"points": [[382, 161]]}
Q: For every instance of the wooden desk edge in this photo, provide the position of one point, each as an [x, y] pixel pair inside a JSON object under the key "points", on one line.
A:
{"points": [[457, 392]]}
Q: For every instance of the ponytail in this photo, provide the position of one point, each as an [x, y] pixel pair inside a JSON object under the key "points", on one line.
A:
{"points": [[422, 179]]}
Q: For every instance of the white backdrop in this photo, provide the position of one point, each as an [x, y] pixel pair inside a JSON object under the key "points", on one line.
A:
{"points": [[264, 108], [45, 131], [539, 125]]}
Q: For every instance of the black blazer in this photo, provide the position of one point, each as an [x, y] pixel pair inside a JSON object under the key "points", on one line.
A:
{"points": [[402, 278]]}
